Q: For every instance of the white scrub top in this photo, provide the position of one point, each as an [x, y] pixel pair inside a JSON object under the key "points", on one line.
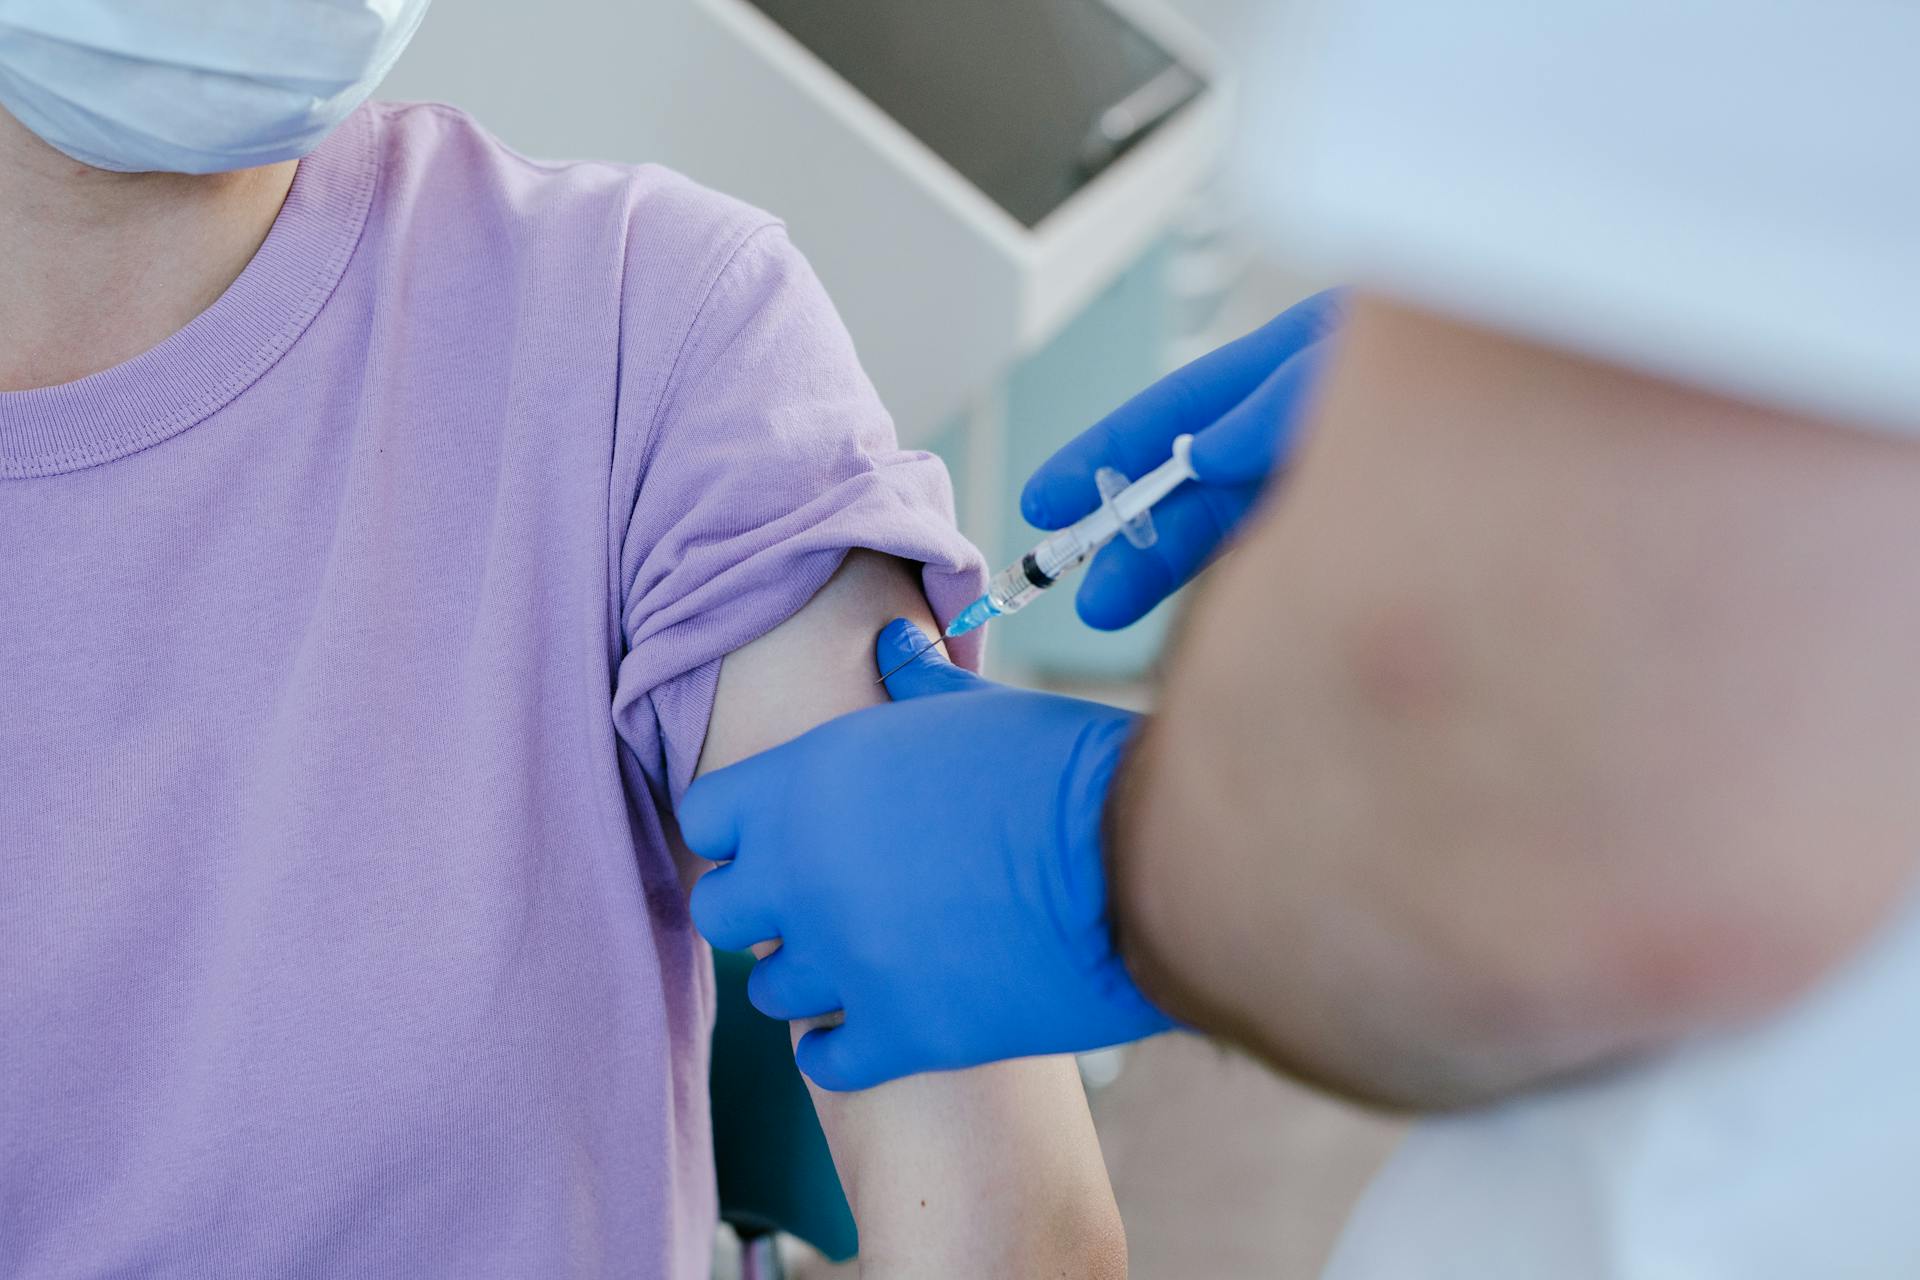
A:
{"points": [[1726, 193], [1721, 191]]}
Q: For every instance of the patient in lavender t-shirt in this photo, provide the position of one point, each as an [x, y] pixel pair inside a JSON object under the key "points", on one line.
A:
{"points": [[355, 643]]}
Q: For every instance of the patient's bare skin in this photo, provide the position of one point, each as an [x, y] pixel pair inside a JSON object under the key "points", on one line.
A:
{"points": [[140, 255], [994, 1171]]}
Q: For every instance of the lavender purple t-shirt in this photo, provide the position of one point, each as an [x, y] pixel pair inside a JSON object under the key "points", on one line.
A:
{"points": [[352, 643]]}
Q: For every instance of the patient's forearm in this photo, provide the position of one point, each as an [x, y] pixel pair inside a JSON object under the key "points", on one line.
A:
{"points": [[1548, 712], [983, 1173]]}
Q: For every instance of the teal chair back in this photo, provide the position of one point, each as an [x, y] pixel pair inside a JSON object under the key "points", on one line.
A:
{"points": [[775, 1171]]}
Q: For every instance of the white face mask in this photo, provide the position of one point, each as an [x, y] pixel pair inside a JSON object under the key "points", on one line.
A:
{"points": [[194, 86]]}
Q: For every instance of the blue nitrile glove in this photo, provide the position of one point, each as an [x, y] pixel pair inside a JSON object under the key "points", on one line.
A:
{"points": [[932, 869], [1241, 404]]}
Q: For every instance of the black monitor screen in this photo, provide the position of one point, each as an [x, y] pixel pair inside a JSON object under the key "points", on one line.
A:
{"points": [[1029, 99]]}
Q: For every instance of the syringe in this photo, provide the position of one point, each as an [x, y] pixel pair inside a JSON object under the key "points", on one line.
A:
{"points": [[1124, 509]]}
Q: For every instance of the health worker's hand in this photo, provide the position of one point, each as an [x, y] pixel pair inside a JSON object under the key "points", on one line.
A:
{"points": [[932, 869], [1241, 404]]}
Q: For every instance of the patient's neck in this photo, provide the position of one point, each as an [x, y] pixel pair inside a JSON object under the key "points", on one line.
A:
{"points": [[96, 267]]}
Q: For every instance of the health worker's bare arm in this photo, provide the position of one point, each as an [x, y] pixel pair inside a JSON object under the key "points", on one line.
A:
{"points": [[1546, 713]]}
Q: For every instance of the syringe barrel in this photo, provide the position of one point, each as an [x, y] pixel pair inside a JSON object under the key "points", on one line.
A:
{"points": [[1052, 558], [1060, 553], [1014, 587], [1063, 551]]}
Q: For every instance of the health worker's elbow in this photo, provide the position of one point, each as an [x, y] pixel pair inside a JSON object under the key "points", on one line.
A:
{"points": [[1623, 979]]}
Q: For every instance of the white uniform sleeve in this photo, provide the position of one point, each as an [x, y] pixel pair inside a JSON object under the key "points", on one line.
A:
{"points": [[1721, 192]]}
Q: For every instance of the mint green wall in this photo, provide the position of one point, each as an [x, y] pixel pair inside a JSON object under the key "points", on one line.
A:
{"points": [[1114, 348]]}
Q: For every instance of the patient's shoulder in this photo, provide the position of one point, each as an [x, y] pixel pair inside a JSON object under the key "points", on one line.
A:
{"points": [[588, 223]]}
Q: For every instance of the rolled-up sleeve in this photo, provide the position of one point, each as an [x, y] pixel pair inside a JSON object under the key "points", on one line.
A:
{"points": [[767, 457]]}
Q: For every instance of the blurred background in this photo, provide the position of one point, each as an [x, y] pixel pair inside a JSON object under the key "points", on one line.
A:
{"points": [[1025, 211]]}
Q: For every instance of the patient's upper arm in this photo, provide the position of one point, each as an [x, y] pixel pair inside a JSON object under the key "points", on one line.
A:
{"points": [[992, 1171], [816, 665]]}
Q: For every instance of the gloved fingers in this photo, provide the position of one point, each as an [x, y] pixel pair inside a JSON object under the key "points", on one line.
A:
{"points": [[840, 1059], [928, 674], [1124, 583], [1138, 435], [711, 813], [785, 986], [1122, 586], [1256, 436], [732, 910]]}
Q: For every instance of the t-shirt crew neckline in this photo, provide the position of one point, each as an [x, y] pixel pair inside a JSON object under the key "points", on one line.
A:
{"points": [[219, 353]]}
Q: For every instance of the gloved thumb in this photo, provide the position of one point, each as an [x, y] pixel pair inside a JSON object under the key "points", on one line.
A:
{"points": [[928, 674], [839, 1061]]}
